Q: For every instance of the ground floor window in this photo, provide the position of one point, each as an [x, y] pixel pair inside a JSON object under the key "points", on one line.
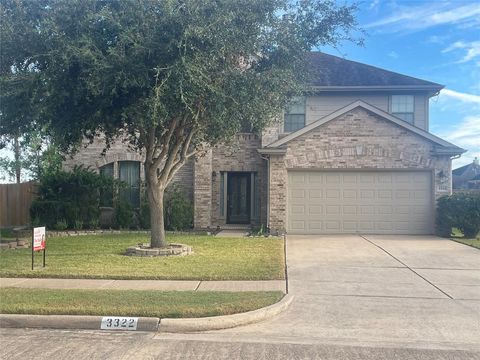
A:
{"points": [[129, 173], [106, 196]]}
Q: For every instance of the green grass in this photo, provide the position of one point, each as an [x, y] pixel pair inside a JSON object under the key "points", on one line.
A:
{"points": [[458, 236], [132, 303], [101, 257]]}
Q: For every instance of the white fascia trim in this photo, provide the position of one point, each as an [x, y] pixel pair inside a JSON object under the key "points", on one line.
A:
{"points": [[368, 107]]}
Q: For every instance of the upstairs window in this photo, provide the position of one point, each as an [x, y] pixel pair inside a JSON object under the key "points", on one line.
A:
{"points": [[129, 172], [403, 107], [294, 117]]}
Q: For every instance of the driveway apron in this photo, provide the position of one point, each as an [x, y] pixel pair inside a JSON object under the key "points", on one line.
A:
{"points": [[406, 291]]}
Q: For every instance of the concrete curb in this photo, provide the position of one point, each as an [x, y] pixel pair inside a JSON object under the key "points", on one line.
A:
{"points": [[67, 322], [146, 323], [226, 321]]}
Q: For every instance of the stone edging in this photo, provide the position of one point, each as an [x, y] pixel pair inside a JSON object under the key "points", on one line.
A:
{"points": [[226, 321], [146, 323]]}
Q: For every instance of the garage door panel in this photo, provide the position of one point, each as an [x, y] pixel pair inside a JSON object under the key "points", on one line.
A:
{"points": [[349, 210], [298, 194], [332, 225], [315, 193], [386, 202], [315, 210], [298, 209]]}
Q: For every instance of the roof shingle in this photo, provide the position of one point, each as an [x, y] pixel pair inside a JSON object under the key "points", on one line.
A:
{"points": [[329, 70]]}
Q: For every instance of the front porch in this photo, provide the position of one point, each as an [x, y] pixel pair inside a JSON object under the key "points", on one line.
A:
{"points": [[230, 186]]}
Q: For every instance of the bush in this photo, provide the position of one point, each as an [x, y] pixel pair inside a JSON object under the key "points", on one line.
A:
{"points": [[69, 197], [178, 211], [144, 215], [124, 215], [461, 210], [60, 225]]}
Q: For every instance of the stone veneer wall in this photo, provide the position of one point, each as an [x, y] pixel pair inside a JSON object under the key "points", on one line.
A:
{"points": [[356, 140], [92, 156]]}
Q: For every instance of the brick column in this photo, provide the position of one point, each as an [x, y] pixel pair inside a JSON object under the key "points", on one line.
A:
{"points": [[202, 194], [277, 194]]}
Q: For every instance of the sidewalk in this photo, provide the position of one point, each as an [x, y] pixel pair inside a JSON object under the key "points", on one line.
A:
{"points": [[165, 285]]}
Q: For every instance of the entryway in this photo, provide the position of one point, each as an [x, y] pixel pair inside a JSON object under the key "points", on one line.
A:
{"points": [[239, 197]]}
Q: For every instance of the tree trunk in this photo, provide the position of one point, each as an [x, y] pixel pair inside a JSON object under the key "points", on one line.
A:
{"points": [[16, 151], [157, 224]]}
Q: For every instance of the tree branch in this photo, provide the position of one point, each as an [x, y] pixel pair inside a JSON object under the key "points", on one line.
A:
{"points": [[184, 156]]}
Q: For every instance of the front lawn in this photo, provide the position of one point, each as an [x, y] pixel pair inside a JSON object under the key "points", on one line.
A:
{"points": [[458, 236], [172, 304], [472, 242], [101, 256]]}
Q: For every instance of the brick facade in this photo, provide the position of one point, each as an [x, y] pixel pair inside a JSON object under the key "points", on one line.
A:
{"points": [[355, 140], [90, 155], [240, 155]]}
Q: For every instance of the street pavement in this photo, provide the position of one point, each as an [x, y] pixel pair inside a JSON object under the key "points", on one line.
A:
{"points": [[370, 297]]}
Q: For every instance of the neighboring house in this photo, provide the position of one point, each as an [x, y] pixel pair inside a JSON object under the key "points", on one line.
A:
{"points": [[354, 156], [467, 177]]}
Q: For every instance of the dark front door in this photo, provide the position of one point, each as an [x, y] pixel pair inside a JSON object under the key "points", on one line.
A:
{"points": [[238, 198]]}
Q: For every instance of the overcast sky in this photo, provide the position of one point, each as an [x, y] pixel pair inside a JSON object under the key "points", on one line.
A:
{"points": [[433, 40]]}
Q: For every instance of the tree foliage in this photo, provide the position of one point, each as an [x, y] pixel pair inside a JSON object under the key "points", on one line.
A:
{"points": [[171, 77], [36, 157]]}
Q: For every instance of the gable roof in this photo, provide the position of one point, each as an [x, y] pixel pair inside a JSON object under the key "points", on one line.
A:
{"points": [[332, 72], [461, 170], [447, 148]]}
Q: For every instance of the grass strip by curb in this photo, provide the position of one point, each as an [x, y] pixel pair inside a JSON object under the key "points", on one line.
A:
{"points": [[162, 304]]}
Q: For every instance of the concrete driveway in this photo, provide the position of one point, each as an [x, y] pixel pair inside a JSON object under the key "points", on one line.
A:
{"points": [[382, 291]]}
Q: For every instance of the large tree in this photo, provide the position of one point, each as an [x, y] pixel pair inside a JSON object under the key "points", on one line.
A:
{"points": [[171, 77]]}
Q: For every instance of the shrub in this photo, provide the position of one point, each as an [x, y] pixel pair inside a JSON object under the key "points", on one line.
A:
{"points": [[178, 211], [124, 215], [60, 225], [70, 197], [460, 210], [144, 216]]}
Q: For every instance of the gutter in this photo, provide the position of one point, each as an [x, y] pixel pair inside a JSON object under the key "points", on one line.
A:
{"points": [[272, 151], [449, 151]]}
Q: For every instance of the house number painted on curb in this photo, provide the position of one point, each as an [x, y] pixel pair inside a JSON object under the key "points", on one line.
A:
{"points": [[119, 323]]}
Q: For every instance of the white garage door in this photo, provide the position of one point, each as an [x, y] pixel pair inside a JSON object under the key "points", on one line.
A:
{"points": [[393, 202]]}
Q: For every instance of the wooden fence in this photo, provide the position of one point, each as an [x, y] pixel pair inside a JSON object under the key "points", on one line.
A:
{"points": [[15, 201]]}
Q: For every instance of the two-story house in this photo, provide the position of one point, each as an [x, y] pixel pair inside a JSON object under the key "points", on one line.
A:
{"points": [[352, 156]]}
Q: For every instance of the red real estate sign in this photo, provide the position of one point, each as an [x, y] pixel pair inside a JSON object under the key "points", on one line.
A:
{"points": [[38, 238]]}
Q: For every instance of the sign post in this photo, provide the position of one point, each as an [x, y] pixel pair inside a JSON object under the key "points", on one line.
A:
{"points": [[38, 242]]}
